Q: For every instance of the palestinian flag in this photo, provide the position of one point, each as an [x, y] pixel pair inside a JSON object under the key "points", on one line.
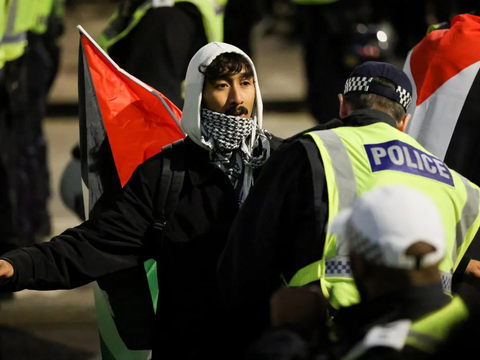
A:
{"points": [[444, 70], [123, 122]]}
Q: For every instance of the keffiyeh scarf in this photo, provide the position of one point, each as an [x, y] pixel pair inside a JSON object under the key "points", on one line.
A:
{"points": [[229, 137]]}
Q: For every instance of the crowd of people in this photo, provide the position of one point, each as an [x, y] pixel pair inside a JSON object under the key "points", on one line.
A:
{"points": [[355, 239]]}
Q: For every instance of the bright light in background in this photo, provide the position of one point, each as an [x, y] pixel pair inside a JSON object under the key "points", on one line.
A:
{"points": [[381, 36]]}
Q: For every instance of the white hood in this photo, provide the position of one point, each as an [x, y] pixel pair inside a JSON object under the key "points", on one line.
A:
{"points": [[194, 88]]}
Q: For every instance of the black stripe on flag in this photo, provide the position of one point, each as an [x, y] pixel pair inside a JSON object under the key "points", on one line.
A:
{"points": [[98, 167], [463, 152]]}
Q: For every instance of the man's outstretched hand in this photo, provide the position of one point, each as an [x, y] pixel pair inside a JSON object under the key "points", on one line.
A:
{"points": [[6, 271], [472, 274]]}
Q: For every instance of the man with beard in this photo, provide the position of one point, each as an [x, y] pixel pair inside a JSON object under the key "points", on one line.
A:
{"points": [[222, 155]]}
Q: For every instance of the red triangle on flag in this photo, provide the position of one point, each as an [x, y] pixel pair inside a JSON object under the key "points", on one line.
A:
{"points": [[442, 54], [138, 120]]}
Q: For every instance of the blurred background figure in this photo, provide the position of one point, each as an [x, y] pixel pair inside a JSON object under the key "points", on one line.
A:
{"points": [[30, 58]]}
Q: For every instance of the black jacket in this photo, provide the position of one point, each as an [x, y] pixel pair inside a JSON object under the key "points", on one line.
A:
{"points": [[117, 239], [281, 228], [351, 326], [354, 322]]}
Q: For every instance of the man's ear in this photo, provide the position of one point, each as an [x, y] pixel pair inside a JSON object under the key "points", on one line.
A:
{"points": [[402, 125], [345, 108]]}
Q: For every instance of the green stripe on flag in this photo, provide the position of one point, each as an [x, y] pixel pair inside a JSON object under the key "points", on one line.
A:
{"points": [[109, 334]]}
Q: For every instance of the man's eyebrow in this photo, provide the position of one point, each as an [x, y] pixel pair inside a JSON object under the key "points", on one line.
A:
{"points": [[246, 76], [225, 77]]}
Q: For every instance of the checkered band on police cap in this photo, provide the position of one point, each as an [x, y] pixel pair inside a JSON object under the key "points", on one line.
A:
{"points": [[361, 80]]}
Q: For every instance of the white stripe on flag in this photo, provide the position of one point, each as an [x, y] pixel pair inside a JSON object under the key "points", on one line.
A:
{"points": [[434, 120], [86, 199]]}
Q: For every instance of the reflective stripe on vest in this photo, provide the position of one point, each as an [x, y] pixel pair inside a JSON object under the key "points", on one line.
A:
{"points": [[426, 333], [111, 33], [469, 215], [12, 15], [423, 334], [13, 44], [14, 39], [334, 270]]}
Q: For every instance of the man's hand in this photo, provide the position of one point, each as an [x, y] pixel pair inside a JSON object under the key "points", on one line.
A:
{"points": [[472, 274], [304, 307], [6, 271]]}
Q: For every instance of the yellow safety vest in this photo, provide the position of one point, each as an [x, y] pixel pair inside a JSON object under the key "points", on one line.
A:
{"points": [[3, 21], [20, 19], [44, 9], [424, 334], [212, 13], [356, 160]]}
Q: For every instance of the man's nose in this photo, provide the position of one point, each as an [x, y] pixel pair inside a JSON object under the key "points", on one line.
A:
{"points": [[236, 96]]}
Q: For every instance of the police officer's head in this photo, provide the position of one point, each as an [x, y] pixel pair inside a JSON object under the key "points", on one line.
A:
{"points": [[395, 237], [380, 86]]}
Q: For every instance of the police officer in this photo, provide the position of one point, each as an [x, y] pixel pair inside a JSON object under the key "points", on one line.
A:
{"points": [[281, 233], [396, 269], [15, 131], [42, 62], [403, 311]]}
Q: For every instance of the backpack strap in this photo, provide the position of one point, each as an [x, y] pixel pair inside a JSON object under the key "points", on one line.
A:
{"points": [[171, 182]]}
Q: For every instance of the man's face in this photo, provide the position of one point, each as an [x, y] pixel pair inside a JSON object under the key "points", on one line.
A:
{"points": [[230, 95]]}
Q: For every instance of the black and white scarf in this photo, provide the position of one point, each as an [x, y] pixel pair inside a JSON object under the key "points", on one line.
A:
{"points": [[229, 137]]}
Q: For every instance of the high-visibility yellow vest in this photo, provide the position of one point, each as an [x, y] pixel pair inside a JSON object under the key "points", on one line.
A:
{"points": [[424, 334], [3, 21], [44, 8], [212, 13], [431, 330], [358, 159], [19, 20]]}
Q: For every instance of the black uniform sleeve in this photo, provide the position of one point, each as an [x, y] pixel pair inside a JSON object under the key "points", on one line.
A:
{"points": [[115, 240], [473, 252], [278, 230]]}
